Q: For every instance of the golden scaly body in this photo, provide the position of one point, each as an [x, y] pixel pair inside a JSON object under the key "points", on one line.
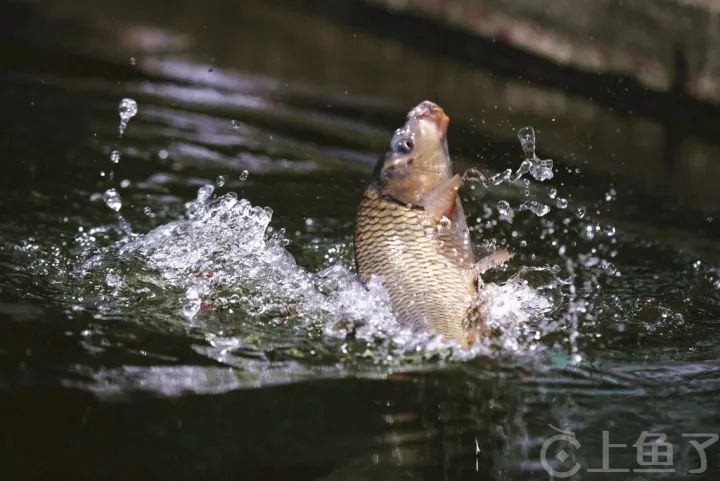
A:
{"points": [[429, 277]]}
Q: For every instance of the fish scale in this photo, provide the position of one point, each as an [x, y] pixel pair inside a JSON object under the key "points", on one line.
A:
{"points": [[420, 270]]}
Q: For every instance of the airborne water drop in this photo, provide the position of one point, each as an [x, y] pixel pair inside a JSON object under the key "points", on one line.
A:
{"points": [[112, 199], [537, 208], [127, 109], [527, 141], [503, 207]]}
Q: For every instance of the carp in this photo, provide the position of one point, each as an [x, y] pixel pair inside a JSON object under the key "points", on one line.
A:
{"points": [[411, 232]]}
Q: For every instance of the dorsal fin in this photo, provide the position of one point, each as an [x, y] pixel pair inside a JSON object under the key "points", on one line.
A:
{"points": [[442, 200]]}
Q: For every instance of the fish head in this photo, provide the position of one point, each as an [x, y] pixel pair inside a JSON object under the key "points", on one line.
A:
{"points": [[417, 159]]}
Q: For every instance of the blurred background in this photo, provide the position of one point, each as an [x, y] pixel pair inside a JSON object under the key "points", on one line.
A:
{"points": [[640, 78]]}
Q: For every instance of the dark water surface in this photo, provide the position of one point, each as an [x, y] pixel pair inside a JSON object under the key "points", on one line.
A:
{"points": [[212, 327]]}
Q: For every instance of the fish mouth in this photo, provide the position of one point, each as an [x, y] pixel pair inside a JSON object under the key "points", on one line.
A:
{"points": [[433, 112]]}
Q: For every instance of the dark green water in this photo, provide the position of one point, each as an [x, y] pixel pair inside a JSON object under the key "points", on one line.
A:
{"points": [[182, 339]]}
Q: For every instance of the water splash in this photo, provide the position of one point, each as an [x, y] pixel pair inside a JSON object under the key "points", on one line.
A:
{"points": [[127, 109], [540, 169], [112, 199], [113, 279], [224, 261], [499, 178], [527, 141], [503, 207], [537, 208]]}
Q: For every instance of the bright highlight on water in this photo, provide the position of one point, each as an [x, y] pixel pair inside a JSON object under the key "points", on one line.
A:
{"points": [[127, 109]]}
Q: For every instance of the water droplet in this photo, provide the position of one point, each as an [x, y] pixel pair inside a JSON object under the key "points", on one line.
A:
{"points": [[580, 212], [503, 207], [113, 280], [235, 124], [133, 62], [709, 219], [244, 175], [125, 183], [115, 156], [610, 195], [194, 209], [205, 192], [561, 203], [124, 226], [552, 192], [191, 308], [609, 230], [524, 168], [608, 267], [220, 181], [162, 154], [473, 175], [527, 141], [542, 169], [537, 208], [501, 177], [127, 109], [112, 199]]}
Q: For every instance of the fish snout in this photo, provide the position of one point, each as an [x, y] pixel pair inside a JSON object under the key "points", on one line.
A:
{"points": [[433, 112]]}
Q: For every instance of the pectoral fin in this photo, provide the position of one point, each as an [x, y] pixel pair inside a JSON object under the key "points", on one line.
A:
{"points": [[494, 260], [442, 200]]}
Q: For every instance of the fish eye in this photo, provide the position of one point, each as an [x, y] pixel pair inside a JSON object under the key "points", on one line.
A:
{"points": [[406, 146], [403, 145]]}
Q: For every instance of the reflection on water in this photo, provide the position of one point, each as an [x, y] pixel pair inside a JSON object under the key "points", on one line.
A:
{"points": [[179, 301]]}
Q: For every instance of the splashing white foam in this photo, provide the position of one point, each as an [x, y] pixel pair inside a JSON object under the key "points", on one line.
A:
{"points": [[221, 257]]}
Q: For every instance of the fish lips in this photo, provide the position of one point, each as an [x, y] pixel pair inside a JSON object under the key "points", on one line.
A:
{"points": [[427, 110]]}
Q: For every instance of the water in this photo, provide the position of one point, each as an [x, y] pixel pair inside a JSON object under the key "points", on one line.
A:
{"points": [[112, 199], [216, 329], [127, 109]]}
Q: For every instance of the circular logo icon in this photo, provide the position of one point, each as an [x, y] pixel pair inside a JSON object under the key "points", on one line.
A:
{"points": [[566, 436]]}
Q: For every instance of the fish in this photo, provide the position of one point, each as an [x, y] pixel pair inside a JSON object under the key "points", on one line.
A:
{"points": [[411, 232]]}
